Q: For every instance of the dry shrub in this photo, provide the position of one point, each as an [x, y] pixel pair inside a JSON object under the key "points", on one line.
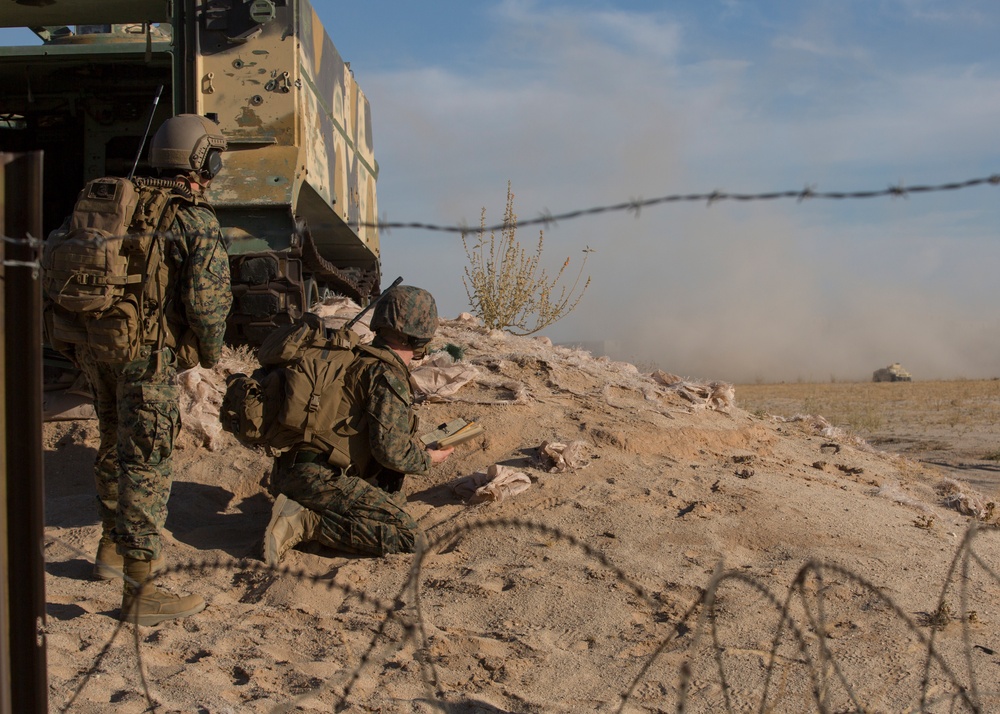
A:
{"points": [[504, 285], [966, 500]]}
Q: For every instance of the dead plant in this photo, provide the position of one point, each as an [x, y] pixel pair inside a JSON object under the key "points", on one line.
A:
{"points": [[505, 285]]}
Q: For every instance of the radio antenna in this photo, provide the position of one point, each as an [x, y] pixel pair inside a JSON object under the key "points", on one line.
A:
{"points": [[149, 123]]}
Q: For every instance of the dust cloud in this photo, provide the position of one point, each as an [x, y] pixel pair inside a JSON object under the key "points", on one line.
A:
{"points": [[755, 295]]}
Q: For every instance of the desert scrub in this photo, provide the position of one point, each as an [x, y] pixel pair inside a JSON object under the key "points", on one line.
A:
{"points": [[505, 285], [859, 407], [865, 419]]}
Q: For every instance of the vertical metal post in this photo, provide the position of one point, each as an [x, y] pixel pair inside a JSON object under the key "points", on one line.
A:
{"points": [[5, 654], [25, 508]]}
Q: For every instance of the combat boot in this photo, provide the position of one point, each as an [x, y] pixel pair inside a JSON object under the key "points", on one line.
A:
{"points": [[144, 604], [291, 523], [108, 563]]}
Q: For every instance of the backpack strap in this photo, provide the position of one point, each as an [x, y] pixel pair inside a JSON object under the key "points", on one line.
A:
{"points": [[174, 193], [383, 354]]}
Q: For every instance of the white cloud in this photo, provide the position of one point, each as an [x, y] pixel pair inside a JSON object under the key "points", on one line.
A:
{"points": [[819, 48], [610, 108], [944, 11], [641, 32]]}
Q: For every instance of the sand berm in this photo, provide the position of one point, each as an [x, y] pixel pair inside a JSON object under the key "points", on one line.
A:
{"points": [[687, 552]]}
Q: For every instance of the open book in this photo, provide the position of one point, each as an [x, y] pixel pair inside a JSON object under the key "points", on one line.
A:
{"points": [[452, 433]]}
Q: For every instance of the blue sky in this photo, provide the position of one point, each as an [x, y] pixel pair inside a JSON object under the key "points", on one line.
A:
{"points": [[594, 103]]}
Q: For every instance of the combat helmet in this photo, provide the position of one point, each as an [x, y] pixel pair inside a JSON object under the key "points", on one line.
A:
{"points": [[409, 311], [188, 142]]}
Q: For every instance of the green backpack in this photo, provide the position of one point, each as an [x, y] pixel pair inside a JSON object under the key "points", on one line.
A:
{"points": [[298, 395], [105, 278]]}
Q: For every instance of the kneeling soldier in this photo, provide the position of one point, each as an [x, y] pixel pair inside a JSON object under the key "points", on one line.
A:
{"points": [[360, 508]]}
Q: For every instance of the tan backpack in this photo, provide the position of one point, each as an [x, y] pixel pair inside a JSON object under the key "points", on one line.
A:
{"points": [[104, 272], [298, 396]]}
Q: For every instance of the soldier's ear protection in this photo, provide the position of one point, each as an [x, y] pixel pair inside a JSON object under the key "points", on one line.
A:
{"points": [[213, 163]]}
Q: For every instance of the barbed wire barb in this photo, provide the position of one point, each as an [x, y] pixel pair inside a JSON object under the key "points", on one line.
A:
{"points": [[900, 191], [546, 219]]}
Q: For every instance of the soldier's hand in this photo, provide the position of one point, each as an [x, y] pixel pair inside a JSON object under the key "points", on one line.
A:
{"points": [[439, 455]]}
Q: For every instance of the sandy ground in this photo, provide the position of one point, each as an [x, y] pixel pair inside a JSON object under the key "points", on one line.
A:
{"points": [[952, 425], [696, 553]]}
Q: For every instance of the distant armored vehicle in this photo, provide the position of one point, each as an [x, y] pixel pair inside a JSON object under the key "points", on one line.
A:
{"points": [[298, 182], [893, 373]]}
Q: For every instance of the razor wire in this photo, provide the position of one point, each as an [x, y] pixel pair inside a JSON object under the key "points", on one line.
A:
{"points": [[822, 667], [695, 633]]}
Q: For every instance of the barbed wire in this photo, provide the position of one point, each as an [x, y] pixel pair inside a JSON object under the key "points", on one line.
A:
{"points": [[823, 673], [633, 206], [87, 239], [30, 241]]}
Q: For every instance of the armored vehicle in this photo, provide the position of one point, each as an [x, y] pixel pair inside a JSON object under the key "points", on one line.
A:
{"points": [[893, 373], [296, 197]]}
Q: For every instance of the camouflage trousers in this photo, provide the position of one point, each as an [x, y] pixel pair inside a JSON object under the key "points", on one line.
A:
{"points": [[355, 516], [139, 417]]}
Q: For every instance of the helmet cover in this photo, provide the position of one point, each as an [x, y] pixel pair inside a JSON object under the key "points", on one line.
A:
{"points": [[408, 310]]}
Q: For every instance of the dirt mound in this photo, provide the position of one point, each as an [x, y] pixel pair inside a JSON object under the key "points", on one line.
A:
{"points": [[693, 551]]}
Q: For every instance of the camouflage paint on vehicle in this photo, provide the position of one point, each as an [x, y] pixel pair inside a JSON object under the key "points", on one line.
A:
{"points": [[300, 173]]}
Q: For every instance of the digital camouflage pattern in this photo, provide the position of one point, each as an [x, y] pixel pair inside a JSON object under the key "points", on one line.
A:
{"points": [[364, 513], [137, 403], [139, 418], [408, 310], [383, 390], [355, 516], [204, 288]]}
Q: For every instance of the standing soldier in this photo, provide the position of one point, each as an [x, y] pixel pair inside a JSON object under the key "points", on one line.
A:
{"points": [[360, 509], [183, 308]]}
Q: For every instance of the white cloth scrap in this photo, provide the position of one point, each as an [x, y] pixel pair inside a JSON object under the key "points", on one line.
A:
{"points": [[558, 457], [499, 482], [439, 377]]}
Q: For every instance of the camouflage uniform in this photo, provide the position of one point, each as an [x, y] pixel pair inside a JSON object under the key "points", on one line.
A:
{"points": [[137, 403], [362, 511]]}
